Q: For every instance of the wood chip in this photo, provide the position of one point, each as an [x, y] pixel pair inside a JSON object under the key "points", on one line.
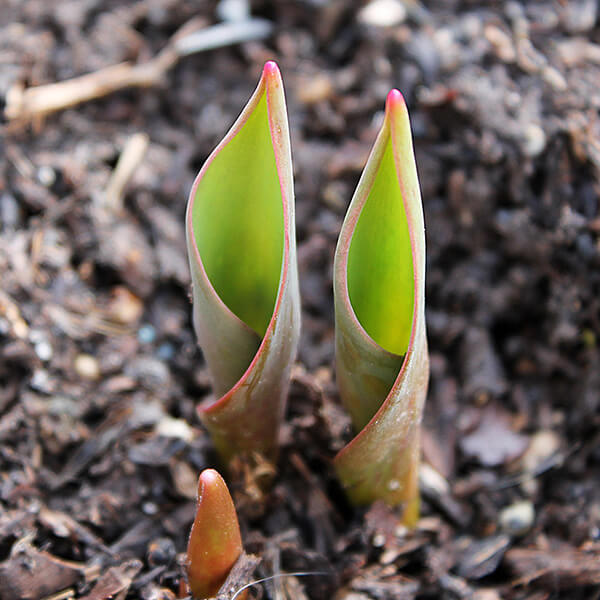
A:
{"points": [[115, 581], [561, 568]]}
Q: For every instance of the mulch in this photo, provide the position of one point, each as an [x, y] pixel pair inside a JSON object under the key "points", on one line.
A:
{"points": [[100, 445]]}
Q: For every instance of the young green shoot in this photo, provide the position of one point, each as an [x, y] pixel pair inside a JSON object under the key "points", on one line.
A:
{"points": [[382, 364], [242, 250]]}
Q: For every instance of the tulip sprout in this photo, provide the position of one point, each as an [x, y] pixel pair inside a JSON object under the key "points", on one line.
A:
{"points": [[242, 249], [382, 364], [215, 542]]}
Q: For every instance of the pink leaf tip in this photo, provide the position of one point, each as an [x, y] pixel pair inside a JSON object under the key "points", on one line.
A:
{"points": [[270, 69], [394, 100]]}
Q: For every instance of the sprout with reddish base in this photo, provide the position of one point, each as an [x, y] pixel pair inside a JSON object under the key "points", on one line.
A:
{"points": [[215, 541], [242, 250], [382, 363]]}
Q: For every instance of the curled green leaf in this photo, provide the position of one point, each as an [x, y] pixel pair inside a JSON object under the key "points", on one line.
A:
{"points": [[242, 250], [382, 364]]}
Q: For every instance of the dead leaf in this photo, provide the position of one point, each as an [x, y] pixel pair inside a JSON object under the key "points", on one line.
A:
{"points": [[30, 574], [493, 442]]}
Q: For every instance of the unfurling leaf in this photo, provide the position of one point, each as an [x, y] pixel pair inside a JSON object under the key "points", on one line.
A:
{"points": [[215, 541], [382, 364], [242, 250]]}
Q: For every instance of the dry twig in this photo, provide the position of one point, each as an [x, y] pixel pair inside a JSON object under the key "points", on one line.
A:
{"points": [[34, 103]]}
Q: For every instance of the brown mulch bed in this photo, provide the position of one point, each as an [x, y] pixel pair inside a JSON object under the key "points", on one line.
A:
{"points": [[100, 445]]}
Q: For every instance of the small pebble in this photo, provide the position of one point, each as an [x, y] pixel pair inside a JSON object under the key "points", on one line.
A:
{"points": [[314, 90], [382, 13], [517, 518], [149, 508], [43, 350], [124, 307], [146, 334], [46, 176], [535, 140], [175, 428], [86, 366], [40, 381], [166, 351]]}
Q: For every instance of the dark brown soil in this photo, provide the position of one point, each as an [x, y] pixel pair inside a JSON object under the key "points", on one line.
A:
{"points": [[100, 445]]}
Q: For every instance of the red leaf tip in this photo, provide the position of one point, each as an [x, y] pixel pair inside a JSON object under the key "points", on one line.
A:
{"points": [[394, 100], [271, 68]]}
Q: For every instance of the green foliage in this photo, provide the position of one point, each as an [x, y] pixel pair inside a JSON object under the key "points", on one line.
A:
{"points": [[242, 250], [238, 222], [382, 365], [241, 242], [380, 269]]}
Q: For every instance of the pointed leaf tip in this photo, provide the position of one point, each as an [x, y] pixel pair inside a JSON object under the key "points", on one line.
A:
{"points": [[215, 541], [394, 100], [271, 68], [209, 478]]}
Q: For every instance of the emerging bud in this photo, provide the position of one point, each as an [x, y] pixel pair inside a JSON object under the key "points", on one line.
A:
{"points": [[215, 541]]}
